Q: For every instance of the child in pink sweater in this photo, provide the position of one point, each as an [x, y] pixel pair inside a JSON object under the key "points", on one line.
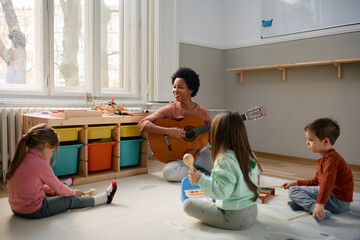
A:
{"points": [[30, 177]]}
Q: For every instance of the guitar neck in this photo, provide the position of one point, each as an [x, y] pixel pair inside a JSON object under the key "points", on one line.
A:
{"points": [[190, 133]]}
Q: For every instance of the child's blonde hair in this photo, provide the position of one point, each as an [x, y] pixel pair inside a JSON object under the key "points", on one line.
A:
{"points": [[228, 132], [36, 138]]}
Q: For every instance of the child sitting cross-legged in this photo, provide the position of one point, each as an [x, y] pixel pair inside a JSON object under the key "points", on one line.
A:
{"points": [[233, 181], [30, 177], [331, 190]]}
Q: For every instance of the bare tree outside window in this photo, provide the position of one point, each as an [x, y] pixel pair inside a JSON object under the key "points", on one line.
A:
{"points": [[71, 33], [69, 43], [15, 55], [105, 18]]}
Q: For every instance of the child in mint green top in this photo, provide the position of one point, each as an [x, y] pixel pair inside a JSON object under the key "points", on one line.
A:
{"points": [[233, 181]]}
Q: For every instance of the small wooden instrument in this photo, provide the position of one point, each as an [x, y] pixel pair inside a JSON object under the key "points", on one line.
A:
{"points": [[91, 192], [167, 149], [189, 161]]}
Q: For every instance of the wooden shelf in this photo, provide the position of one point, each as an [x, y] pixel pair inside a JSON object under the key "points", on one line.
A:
{"points": [[284, 67], [83, 175]]}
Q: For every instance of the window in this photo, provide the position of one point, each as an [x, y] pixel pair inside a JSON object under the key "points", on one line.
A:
{"points": [[19, 68], [69, 47]]}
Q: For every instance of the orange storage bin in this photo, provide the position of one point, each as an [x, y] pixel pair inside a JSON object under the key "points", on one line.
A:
{"points": [[99, 155]]}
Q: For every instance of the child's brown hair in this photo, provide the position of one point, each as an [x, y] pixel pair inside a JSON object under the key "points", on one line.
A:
{"points": [[324, 128], [228, 132], [36, 138]]}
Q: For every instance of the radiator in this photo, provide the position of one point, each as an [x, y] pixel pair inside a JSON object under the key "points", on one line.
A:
{"points": [[11, 131]]}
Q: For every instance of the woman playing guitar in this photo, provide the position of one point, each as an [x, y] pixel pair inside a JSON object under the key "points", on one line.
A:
{"points": [[185, 86]]}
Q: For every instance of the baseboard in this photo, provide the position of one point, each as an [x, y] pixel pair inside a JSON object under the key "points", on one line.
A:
{"points": [[297, 159]]}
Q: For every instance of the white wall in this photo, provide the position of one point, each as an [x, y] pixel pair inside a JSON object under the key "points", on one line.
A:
{"points": [[229, 24], [202, 22], [220, 24], [243, 22]]}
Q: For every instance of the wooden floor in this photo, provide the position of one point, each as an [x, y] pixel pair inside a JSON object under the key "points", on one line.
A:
{"points": [[278, 169], [271, 168]]}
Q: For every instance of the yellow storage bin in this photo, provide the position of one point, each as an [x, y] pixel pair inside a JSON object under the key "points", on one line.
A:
{"points": [[100, 132], [68, 134], [129, 131]]}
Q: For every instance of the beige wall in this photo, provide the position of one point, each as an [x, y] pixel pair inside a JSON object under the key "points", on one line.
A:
{"points": [[309, 93]]}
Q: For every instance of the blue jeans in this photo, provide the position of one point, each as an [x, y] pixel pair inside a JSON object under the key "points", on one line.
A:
{"points": [[305, 196], [175, 171], [54, 205]]}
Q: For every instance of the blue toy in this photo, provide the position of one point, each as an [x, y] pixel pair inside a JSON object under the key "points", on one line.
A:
{"points": [[186, 185], [192, 189]]}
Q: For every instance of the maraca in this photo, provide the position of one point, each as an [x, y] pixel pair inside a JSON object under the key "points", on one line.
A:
{"points": [[91, 192], [189, 161]]}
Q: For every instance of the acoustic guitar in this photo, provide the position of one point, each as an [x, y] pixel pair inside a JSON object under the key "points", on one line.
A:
{"points": [[167, 149]]}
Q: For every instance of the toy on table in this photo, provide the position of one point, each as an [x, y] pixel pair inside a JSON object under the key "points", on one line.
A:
{"points": [[89, 101], [91, 192], [189, 161], [265, 192], [99, 108], [110, 107]]}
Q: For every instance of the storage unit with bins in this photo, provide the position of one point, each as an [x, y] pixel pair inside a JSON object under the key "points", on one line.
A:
{"points": [[68, 151], [108, 147]]}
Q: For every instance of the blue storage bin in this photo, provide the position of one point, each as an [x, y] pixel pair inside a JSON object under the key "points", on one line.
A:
{"points": [[66, 162], [130, 152]]}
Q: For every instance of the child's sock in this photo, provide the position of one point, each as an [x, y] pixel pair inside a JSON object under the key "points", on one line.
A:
{"points": [[110, 191], [69, 181], [327, 216], [107, 196], [100, 199], [294, 206]]}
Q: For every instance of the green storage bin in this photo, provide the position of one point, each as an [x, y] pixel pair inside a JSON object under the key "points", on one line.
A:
{"points": [[130, 152], [66, 162]]}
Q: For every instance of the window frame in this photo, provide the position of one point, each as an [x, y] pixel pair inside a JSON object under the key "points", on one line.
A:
{"points": [[45, 43]]}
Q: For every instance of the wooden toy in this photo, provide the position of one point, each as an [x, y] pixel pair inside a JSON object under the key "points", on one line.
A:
{"points": [[299, 216], [91, 192], [189, 161], [265, 192]]}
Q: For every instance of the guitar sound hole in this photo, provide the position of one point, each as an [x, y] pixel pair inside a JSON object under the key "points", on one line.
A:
{"points": [[189, 139], [190, 134]]}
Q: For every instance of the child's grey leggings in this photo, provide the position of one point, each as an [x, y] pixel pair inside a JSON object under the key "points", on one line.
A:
{"points": [[54, 205], [175, 171], [209, 213]]}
